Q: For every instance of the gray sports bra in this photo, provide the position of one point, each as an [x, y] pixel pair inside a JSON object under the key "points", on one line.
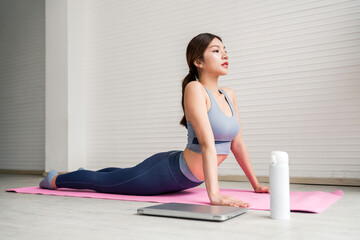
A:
{"points": [[224, 128]]}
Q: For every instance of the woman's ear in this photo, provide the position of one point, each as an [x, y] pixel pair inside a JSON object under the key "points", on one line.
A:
{"points": [[198, 63]]}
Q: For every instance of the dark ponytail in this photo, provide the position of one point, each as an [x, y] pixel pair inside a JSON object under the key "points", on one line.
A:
{"points": [[194, 51], [189, 78]]}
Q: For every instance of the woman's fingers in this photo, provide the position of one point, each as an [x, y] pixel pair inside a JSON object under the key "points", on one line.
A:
{"points": [[244, 204], [237, 203], [228, 201]]}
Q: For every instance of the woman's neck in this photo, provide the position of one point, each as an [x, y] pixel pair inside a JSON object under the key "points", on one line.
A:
{"points": [[211, 83]]}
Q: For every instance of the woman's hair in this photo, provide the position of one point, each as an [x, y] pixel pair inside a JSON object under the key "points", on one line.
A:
{"points": [[194, 51]]}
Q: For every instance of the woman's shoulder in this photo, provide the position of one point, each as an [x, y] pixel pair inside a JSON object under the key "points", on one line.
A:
{"points": [[194, 88], [194, 85]]}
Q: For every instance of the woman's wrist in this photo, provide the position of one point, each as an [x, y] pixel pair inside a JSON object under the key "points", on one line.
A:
{"points": [[214, 198], [255, 184], [214, 195]]}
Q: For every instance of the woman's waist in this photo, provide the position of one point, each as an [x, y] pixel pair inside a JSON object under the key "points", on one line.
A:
{"points": [[195, 163]]}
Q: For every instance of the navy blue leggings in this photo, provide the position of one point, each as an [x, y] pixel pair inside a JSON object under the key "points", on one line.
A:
{"points": [[157, 174]]}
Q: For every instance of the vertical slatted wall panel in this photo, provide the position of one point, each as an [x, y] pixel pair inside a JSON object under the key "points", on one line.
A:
{"points": [[294, 65], [22, 85]]}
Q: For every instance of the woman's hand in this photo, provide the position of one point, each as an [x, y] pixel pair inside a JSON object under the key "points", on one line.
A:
{"points": [[261, 189], [224, 200]]}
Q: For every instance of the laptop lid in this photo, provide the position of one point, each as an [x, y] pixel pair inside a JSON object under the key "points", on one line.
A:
{"points": [[193, 211]]}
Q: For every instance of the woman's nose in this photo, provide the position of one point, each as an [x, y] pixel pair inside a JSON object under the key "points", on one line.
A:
{"points": [[225, 56]]}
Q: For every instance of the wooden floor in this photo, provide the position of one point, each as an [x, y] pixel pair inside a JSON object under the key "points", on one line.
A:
{"points": [[29, 216]]}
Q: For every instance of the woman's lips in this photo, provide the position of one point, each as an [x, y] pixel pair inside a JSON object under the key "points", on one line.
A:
{"points": [[225, 64]]}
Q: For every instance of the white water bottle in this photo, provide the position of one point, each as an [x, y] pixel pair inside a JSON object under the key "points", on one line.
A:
{"points": [[279, 185]]}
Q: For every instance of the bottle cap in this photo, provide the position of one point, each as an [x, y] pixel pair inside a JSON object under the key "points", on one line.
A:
{"points": [[279, 157]]}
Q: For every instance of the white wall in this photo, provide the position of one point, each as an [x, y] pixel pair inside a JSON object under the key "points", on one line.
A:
{"points": [[22, 84], [294, 66]]}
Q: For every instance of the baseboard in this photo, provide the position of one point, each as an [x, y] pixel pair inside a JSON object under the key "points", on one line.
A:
{"points": [[301, 180], [28, 172]]}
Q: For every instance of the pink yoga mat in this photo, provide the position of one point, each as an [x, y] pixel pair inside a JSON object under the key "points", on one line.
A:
{"points": [[313, 202]]}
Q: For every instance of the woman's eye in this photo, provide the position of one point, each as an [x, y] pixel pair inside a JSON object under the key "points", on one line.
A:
{"points": [[216, 51]]}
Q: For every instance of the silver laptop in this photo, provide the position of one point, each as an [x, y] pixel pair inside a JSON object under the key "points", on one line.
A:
{"points": [[194, 211]]}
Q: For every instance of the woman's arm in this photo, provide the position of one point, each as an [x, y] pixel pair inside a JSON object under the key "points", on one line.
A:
{"points": [[210, 170], [196, 113], [241, 154], [242, 157]]}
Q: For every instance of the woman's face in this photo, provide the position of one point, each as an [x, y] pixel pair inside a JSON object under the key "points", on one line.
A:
{"points": [[216, 59]]}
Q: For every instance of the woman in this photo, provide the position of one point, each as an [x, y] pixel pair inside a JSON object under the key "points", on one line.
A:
{"points": [[212, 120]]}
